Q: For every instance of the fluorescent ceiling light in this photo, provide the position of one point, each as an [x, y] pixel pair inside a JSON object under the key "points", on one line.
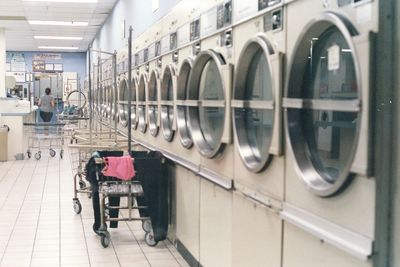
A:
{"points": [[64, 1], [58, 23], [57, 37], [59, 47]]}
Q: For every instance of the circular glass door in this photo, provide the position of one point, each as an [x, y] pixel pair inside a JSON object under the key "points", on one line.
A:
{"points": [[167, 106], [142, 104], [123, 102], [153, 103], [182, 112], [207, 103], [253, 105], [323, 104], [134, 122]]}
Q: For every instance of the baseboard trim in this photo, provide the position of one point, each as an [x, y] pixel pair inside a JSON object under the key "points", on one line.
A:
{"points": [[187, 255]]}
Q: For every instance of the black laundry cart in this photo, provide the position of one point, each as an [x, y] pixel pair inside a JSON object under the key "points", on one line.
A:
{"points": [[148, 187]]}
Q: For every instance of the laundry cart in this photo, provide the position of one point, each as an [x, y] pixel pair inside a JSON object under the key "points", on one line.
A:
{"points": [[143, 196], [80, 155], [45, 135], [73, 122]]}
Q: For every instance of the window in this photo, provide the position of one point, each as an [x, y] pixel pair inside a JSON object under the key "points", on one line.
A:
{"points": [[134, 122], [253, 104], [153, 103], [207, 103], [142, 103], [167, 103], [123, 102], [323, 106], [182, 113]]}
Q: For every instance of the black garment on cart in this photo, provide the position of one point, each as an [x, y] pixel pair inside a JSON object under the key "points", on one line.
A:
{"points": [[150, 170], [91, 169]]}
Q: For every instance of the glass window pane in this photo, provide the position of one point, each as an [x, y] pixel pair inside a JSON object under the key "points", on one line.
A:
{"points": [[258, 82], [330, 74], [211, 118], [258, 125]]}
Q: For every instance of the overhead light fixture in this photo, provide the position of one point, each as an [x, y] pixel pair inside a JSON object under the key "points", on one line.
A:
{"points": [[59, 47], [57, 37], [64, 1], [58, 23]]}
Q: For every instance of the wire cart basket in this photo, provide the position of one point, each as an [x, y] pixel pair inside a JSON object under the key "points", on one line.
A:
{"points": [[113, 187], [45, 135]]}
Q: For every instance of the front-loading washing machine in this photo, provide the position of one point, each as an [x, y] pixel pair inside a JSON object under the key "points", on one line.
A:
{"points": [[259, 47], [209, 116], [329, 208]]}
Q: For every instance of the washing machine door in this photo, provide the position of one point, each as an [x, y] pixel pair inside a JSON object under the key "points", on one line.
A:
{"points": [[153, 103], [123, 102], [167, 103], [182, 112], [323, 104], [254, 108], [134, 119], [142, 123], [207, 102]]}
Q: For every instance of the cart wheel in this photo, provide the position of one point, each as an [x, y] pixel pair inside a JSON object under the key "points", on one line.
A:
{"points": [[77, 206], [38, 155], [105, 239], [52, 152], [61, 154], [146, 225], [29, 154], [82, 184], [149, 238]]}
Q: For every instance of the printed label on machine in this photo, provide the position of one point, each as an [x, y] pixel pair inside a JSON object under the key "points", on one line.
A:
{"points": [[152, 51], [209, 22], [165, 44], [333, 57], [184, 34], [244, 9]]}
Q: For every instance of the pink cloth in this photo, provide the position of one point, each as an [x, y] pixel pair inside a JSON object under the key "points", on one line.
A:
{"points": [[119, 167]]}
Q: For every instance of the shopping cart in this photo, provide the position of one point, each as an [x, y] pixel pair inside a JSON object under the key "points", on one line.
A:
{"points": [[45, 135]]}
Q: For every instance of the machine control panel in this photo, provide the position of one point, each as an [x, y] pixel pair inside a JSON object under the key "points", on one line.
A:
{"points": [[152, 51], [173, 41], [146, 55], [195, 30], [158, 48], [136, 60], [224, 14]]}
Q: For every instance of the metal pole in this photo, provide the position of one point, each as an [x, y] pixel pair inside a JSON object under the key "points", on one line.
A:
{"points": [[114, 64], [90, 95], [129, 89]]}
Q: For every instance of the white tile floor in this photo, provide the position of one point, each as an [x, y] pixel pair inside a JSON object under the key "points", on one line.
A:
{"points": [[38, 226]]}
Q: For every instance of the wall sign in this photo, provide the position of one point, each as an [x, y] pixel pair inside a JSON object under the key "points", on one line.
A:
{"points": [[38, 65]]}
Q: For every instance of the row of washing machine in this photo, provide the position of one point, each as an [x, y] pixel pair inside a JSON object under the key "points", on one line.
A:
{"points": [[274, 96]]}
